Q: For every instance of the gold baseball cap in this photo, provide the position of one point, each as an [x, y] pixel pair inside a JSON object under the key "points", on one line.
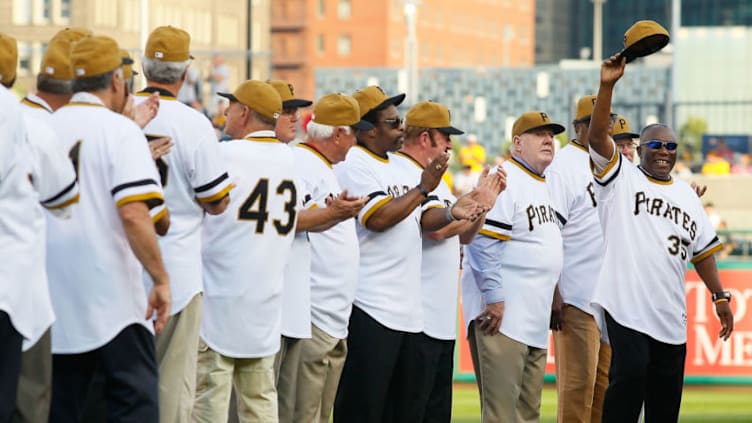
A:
{"points": [[258, 96], [622, 129], [531, 121], [374, 98], [585, 106], [8, 58], [169, 44], [56, 62], [128, 71], [339, 110], [643, 38], [96, 55], [72, 35], [428, 114], [287, 93]]}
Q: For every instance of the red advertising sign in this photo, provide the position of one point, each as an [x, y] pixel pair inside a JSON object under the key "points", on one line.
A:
{"points": [[707, 355]]}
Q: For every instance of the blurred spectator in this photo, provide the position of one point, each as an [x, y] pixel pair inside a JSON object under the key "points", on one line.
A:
{"points": [[713, 215], [724, 151], [473, 154], [743, 166], [715, 165], [681, 170], [465, 180], [190, 91], [218, 77]]}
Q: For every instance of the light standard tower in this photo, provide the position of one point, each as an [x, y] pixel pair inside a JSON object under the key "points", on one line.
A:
{"points": [[411, 51]]}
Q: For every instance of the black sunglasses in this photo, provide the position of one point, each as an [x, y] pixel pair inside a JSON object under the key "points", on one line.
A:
{"points": [[657, 144], [394, 122]]}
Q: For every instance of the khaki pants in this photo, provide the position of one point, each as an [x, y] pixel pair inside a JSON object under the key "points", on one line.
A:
{"points": [[177, 353], [308, 397], [581, 368], [286, 376], [510, 377], [253, 379], [35, 383]]}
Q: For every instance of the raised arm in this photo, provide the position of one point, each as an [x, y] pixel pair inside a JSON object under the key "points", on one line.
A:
{"points": [[611, 70]]}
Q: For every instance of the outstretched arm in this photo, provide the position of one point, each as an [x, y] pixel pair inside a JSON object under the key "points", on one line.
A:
{"points": [[611, 70]]}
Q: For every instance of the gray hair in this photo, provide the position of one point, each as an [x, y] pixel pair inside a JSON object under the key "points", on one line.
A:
{"points": [[653, 126], [51, 85], [320, 131], [164, 72], [95, 83]]}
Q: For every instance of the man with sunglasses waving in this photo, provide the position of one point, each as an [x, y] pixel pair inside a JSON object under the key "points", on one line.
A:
{"points": [[662, 225]]}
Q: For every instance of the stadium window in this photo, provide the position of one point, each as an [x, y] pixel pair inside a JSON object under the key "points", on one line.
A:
{"points": [[320, 46], [46, 10], [344, 9], [320, 8], [24, 58], [344, 45], [65, 9]]}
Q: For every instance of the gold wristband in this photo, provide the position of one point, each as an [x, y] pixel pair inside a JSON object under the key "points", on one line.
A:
{"points": [[721, 300]]}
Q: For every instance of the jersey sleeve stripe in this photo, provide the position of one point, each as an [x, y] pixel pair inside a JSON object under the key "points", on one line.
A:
{"points": [[65, 192], [212, 184], [152, 199], [218, 196], [612, 177], [157, 217], [611, 163], [64, 204], [429, 199], [373, 195], [127, 185], [434, 206], [367, 215], [561, 219], [707, 253], [500, 225], [494, 235]]}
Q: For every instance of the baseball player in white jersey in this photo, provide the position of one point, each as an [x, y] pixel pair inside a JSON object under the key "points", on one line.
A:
{"points": [[430, 353], [662, 223], [244, 252], [309, 378], [582, 358], [506, 296], [106, 327], [54, 180], [387, 303], [626, 140], [195, 181]]}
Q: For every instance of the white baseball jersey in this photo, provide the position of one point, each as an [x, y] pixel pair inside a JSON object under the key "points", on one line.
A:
{"points": [[334, 252], [54, 179], [95, 279], [18, 201], [652, 229], [193, 173], [570, 184], [440, 264], [37, 107], [388, 286], [516, 258], [245, 249]]}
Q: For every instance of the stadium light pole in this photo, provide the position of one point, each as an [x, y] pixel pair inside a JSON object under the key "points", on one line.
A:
{"points": [[411, 50], [672, 93], [598, 30]]}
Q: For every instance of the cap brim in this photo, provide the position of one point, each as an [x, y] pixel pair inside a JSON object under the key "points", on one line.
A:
{"points": [[645, 47], [363, 125], [555, 127], [451, 130], [395, 101], [296, 102], [127, 61], [228, 96], [623, 135]]}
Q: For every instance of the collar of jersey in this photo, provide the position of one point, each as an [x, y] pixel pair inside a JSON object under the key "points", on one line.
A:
{"points": [[372, 154], [262, 136], [163, 93], [409, 157], [578, 145], [312, 148], [525, 168], [85, 99], [654, 179], [37, 102]]}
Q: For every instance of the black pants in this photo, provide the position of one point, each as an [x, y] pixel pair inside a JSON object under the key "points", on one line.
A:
{"points": [[129, 368], [10, 366], [642, 369], [373, 351], [425, 394]]}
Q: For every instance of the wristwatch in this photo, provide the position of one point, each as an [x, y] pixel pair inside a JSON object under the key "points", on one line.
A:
{"points": [[721, 296]]}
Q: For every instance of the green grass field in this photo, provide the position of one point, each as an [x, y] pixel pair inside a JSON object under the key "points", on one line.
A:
{"points": [[707, 404]]}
